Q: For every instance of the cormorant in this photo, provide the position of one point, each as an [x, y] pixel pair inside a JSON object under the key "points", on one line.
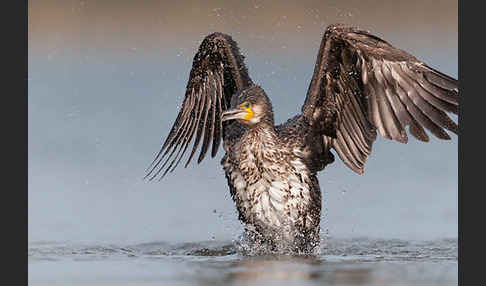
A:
{"points": [[361, 86]]}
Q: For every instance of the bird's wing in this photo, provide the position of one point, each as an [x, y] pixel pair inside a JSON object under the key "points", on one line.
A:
{"points": [[362, 84], [218, 71]]}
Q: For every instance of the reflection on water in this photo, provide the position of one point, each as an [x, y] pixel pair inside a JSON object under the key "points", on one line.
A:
{"points": [[288, 270], [342, 262], [322, 272], [275, 268], [297, 269]]}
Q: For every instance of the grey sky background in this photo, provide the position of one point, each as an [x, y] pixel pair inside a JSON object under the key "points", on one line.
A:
{"points": [[106, 79]]}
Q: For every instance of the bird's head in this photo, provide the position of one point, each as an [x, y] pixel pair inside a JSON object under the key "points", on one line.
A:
{"points": [[251, 106]]}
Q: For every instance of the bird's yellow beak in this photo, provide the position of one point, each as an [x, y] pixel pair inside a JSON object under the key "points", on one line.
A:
{"points": [[239, 113]]}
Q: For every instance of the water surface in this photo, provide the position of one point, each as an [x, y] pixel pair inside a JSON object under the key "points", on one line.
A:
{"points": [[359, 261]]}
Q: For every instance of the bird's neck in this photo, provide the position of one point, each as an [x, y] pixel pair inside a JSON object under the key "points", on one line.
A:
{"points": [[258, 144], [263, 133]]}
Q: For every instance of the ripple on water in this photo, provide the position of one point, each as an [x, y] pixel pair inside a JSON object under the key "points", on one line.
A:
{"points": [[359, 249], [359, 261]]}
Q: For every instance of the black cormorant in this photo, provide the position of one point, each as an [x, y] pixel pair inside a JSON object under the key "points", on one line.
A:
{"points": [[361, 86]]}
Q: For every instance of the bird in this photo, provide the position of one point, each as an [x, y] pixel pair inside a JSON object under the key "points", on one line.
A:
{"points": [[362, 86]]}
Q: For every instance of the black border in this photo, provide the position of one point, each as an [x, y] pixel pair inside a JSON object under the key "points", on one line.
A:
{"points": [[14, 110], [471, 74]]}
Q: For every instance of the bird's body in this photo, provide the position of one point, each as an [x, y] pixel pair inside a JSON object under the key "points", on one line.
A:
{"points": [[275, 191], [361, 86]]}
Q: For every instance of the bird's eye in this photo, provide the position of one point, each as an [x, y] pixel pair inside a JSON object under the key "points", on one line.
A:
{"points": [[246, 105]]}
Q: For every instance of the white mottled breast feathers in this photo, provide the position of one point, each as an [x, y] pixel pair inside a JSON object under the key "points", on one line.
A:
{"points": [[268, 189]]}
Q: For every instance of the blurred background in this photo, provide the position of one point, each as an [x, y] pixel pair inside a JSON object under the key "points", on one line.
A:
{"points": [[107, 78]]}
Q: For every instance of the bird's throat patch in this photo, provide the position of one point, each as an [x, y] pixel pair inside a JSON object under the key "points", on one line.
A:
{"points": [[249, 114]]}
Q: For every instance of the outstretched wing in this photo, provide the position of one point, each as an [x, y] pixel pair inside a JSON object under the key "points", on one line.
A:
{"points": [[218, 71], [362, 84]]}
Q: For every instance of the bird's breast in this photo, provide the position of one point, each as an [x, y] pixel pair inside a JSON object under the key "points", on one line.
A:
{"points": [[270, 190]]}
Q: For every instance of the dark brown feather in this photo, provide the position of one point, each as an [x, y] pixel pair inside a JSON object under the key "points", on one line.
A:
{"points": [[218, 72], [209, 129], [219, 110], [380, 88]]}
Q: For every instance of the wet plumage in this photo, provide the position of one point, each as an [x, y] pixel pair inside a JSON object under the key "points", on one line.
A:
{"points": [[362, 86]]}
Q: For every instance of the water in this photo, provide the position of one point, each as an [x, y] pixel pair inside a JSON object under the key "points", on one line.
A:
{"points": [[359, 261]]}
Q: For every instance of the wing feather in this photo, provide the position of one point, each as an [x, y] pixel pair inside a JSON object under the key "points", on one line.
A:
{"points": [[202, 121], [351, 124], [218, 126], [379, 89], [218, 72], [188, 139], [436, 116], [196, 127], [389, 119], [209, 129], [174, 143], [376, 117]]}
